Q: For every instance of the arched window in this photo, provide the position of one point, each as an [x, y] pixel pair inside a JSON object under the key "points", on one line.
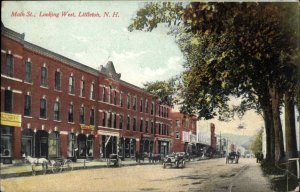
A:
{"points": [[57, 110], [43, 108]]}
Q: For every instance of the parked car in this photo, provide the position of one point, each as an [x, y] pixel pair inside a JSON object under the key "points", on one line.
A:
{"points": [[176, 159]]}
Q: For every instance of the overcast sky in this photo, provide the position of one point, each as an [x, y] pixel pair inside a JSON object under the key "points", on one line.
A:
{"points": [[138, 56]]}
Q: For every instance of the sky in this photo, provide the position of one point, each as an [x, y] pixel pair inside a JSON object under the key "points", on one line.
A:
{"points": [[139, 56]]}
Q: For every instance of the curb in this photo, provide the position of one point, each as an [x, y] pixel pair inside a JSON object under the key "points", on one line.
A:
{"points": [[240, 171]]}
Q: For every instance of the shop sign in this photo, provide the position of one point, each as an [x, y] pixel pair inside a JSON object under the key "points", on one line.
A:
{"points": [[10, 119], [90, 127]]}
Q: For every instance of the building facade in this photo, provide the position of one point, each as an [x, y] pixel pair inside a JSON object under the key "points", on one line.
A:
{"points": [[184, 129], [52, 106]]}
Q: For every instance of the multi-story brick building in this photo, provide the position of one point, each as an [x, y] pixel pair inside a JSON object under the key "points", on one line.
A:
{"points": [[184, 132], [53, 106]]}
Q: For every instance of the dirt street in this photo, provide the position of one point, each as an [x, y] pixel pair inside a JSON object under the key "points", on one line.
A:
{"points": [[207, 175]]}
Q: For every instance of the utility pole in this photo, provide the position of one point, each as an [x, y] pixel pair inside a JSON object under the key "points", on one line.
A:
{"points": [[221, 144]]}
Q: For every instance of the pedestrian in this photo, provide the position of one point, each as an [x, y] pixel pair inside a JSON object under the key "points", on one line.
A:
{"points": [[257, 155], [261, 157]]}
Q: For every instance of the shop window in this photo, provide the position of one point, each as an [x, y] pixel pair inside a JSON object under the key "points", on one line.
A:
{"points": [[9, 65], [71, 144], [54, 145], [82, 148], [71, 113], [92, 117], [28, 72], [81, 115], [44, 77], [43, 108], [90, 146], [72, 85], [27, 105], [57, 110], [8, 101], [6, 141], [41, 144]]}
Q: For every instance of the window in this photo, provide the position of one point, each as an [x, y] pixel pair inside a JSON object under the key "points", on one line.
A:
{"points": [[141, 125], [71, 113], [146, 127], [128, 122], [81, 115], [27, 106], [92, 117], [92, 95], [110, 95], [141, 105], [82, 88], [152, 108], [71, 85], [104, 119], [8, 101], [28, 72], [134, 103], [152, 127], [44, 77], [9, 65], [146, 106], [159, 129], [43, 108], [71, 144], [54, 145], [121, 122], [177, 122], [134, 124], [103, 94], [128, 101], [121, 100], [115, 97], [109, 119], [115, 121], [57, 110], [57, 80]]}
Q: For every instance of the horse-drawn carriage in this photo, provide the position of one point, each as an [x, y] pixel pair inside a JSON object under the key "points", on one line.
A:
{"points": [[177, 159], [55, 165], [232, 157], [115, 160]]}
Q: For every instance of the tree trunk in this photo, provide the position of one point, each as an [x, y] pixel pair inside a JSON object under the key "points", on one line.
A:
{"points": [[290, 131], [269, 136], [277, 124]]}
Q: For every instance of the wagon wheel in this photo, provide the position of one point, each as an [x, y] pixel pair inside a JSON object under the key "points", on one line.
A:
{"points": [[33, 168], [68, 165], [56, 167], [176, 164], [183, 164], [45, 167]]}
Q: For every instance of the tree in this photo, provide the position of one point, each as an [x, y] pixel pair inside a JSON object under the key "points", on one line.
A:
{"points": [[241, 49], [256, 144]]}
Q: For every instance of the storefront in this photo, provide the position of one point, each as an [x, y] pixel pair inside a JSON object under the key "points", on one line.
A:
{"points": [[146, 145], [163, 147], [27, 142]]}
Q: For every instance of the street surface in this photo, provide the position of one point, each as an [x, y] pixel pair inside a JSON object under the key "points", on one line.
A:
{"points": [[206, 175]]}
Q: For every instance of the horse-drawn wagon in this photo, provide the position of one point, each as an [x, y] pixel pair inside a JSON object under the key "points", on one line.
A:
{"points": [[232, 157], [115, 160], [55, 165]]}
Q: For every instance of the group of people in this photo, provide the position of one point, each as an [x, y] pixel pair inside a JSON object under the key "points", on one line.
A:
{"points": [[259, 157]]}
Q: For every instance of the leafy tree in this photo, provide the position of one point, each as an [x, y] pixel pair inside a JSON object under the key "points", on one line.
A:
{"points": [[256, 144]]}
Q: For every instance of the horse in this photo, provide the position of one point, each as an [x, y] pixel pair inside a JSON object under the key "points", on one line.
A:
{"points": [[36, 162]]}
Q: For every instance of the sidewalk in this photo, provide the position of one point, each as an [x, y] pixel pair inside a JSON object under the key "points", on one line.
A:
{"points": [[250, 179], [12, 170]]}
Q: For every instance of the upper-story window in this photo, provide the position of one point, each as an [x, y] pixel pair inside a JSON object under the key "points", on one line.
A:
{"points": [[134, 103], [115, 97], [141, 125], [110, 95], [109, 119], [146, 126], [44, 76], [128, 122], [104, 119], [28, 76], [8, 101], [43, 108], [115, 121], [152, 108], [92, 95], [177, 122], [27, 105], [128, 101], [146, 106], [82, 88], [71, 113], [152, 127], [177, 135], [57, 110], [121, 122], [134, 124], [92, 117], [141, 105], [81, 115], [121, 99], [103, 94], [57, 80], [72, 85], [9, 65]]}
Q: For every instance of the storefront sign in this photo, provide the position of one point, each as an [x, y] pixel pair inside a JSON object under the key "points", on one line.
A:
{"points": [[10, 119], [116, 134], [90, 127]]}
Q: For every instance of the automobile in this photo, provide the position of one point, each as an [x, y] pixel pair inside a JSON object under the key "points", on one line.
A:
{"points": [[176, 159], [232, 157], [185, 155]]}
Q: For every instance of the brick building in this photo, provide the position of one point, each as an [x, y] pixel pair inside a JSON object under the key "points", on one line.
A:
{"points": [[53, 106], [184, 132]]}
